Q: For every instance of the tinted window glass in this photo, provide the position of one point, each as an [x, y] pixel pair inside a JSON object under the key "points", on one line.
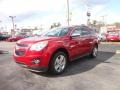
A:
{"points": [[63, 32], [113, 33], [77, 32], [85, 31], [93, 31], [56, 32]]}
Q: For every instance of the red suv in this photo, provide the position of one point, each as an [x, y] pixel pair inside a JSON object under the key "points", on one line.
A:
{"points": [[54, 49], [113, 36], [15, 38]]}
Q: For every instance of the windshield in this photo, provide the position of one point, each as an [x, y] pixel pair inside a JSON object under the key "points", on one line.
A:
{"points": [[113, 33], [56, 32]]}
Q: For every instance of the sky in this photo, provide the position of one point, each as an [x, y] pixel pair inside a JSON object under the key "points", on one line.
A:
{"points": [[29, 13]]}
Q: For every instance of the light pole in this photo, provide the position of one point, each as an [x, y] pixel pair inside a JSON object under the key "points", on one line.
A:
{"points": [[88, 14], [0, 25], [68, 13], [103, 20], [88, 20], [12, 18]]}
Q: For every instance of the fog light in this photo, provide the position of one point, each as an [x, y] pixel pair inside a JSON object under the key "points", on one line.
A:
{"points": [[36, 61]]}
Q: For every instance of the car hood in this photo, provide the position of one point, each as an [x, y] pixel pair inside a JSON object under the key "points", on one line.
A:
{"points": [[32, 40]]}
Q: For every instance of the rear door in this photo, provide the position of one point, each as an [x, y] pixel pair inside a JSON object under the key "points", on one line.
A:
{"points": [[87, 39]]}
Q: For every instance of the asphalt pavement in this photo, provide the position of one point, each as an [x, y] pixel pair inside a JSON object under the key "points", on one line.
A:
{"points": [[101, 73]]}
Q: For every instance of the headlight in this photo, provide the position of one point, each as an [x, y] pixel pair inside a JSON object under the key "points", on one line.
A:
{"points": [[39, 46]]}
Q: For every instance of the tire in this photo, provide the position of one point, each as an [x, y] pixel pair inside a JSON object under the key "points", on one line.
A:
{"points": [[11, 40], [94, 52], [58, 63]]}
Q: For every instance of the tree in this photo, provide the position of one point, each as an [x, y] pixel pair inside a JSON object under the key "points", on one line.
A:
{"points": [[117, 23], [35, 28], [94, 23], [59, 24], [55, 25]]}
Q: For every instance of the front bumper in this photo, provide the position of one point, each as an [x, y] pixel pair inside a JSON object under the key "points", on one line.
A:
{"points": [[113, 39], [33, 68], [26, 61]]}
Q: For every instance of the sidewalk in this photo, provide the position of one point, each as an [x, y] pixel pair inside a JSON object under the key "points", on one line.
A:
{"points": [[110, 43], [6, 47]]}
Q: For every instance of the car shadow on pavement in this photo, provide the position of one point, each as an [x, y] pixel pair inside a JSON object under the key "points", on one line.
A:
{"points": [[3, 52], [82, 65]]}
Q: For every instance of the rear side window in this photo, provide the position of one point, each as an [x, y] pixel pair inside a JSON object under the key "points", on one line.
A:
{"points": [[81, 31], [85, 31], [93, 31]]}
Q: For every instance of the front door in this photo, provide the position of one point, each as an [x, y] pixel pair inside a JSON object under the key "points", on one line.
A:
{"points": [[76, 44]]}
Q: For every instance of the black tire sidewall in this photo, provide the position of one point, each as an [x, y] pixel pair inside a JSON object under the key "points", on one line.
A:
{"points": [[52, 64], [92, 54]]}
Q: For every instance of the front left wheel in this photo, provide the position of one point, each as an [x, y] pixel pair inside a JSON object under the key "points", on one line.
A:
{"points": [[58, 63]]}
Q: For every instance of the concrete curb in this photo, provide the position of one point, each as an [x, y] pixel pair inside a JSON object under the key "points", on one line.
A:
{"points": [[117, 51], [110, 43]]}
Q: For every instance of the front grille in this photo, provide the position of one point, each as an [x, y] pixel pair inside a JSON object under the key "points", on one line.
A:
{"points": [[19, 53]]}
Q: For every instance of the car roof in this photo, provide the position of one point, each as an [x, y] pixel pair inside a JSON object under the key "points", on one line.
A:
{"points": [[73, 26]]}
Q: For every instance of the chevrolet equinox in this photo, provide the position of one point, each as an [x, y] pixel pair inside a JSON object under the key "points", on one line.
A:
{"points": [[55, 48]]}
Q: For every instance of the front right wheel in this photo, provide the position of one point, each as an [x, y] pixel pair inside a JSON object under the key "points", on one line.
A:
{"points": [[58, 63]]}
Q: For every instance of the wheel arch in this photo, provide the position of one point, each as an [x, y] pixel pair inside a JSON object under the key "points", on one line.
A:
{"points": [[62, 50], [59, 50], [96, 44]]}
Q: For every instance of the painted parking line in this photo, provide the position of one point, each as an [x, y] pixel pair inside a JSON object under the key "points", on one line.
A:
{"points": [[117, 51]]}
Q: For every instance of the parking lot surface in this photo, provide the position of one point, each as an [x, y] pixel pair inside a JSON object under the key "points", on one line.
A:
{"points": [[101, 73]]}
